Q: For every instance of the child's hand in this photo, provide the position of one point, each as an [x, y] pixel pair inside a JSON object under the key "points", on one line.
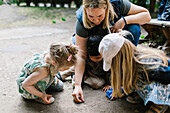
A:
{"points": [[46, 98], [105, 88]]}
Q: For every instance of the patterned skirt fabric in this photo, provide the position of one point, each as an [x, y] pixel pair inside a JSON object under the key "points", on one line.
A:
{"points": [[40, 85], [155, 92]]}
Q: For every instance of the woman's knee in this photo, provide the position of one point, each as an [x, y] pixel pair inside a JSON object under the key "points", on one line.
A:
{"points": [[136, 32]]}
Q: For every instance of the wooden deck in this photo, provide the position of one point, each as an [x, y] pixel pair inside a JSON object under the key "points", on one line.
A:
{"points": [[155, 25]]}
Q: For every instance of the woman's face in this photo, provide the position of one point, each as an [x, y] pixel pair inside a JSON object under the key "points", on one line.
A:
{"points": [[96, 15]]}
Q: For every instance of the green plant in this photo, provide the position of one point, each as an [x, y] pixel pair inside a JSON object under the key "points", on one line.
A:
{"points": [[1, 2], [147, 4]]}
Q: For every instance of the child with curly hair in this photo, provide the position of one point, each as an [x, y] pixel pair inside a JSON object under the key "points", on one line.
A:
{"points": [[39, 74]]}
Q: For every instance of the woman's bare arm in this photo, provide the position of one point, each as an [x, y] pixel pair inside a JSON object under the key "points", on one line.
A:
{"points": [[80, 68], [137, 15]]}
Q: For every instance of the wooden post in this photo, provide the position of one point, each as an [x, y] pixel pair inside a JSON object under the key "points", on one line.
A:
{"points": [[152, 6]]}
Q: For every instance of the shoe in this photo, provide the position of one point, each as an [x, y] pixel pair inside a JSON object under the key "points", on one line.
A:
{"points": [[58, 75], [155, 108], [109, 92], [134, 98], [42, 102]]}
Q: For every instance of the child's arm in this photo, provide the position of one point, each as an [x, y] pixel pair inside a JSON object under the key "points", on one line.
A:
{"points": [[36, 76]]}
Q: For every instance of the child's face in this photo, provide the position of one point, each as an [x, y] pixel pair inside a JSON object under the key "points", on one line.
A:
{"points": [[96, 58]]}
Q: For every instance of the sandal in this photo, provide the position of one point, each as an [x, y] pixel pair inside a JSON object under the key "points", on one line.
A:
{"points": [[155, 108], [134, 98]]}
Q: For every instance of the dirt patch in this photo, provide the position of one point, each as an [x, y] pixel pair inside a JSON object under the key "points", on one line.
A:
{"points": [[13, 16]]}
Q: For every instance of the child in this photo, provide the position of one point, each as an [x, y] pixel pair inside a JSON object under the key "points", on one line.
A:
{"points": [[94, 74], [38, 74], [138, 68]]}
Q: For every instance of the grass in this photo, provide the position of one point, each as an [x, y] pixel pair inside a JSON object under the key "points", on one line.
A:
{"points": [[37, 16], [1, 2], [44, 14]]}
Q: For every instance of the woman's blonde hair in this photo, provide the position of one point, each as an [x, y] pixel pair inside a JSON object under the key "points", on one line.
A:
{"points": [[98, 4], [64, 55], [127, 65]]}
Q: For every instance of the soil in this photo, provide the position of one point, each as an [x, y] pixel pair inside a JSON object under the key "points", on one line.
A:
{"points": [[21, 36]]}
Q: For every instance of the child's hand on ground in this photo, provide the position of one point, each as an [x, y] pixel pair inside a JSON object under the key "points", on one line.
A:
{"points": [[46, 98], [106, 88]]}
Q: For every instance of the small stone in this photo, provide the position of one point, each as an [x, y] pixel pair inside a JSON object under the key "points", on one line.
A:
{"points": [[53, 21], [4, 94], [63, 19], [142, 37]]}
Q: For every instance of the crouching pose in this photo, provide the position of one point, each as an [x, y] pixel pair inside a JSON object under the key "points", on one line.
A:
{"points": [[39, 74], [141, 69]]}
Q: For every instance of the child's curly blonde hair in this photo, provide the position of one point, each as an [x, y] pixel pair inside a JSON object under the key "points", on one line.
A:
{"points": [[63, 55]]}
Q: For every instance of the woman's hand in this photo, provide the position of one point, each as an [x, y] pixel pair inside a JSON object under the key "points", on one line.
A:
{"points": [[118, 25], [78, 94], [46, 98]]}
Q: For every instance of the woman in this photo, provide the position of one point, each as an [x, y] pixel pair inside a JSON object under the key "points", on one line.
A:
{"points": [[96, 17], [142, 69]]}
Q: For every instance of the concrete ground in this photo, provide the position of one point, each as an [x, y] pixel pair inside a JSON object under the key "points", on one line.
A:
{"points": [[18, 42]]}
